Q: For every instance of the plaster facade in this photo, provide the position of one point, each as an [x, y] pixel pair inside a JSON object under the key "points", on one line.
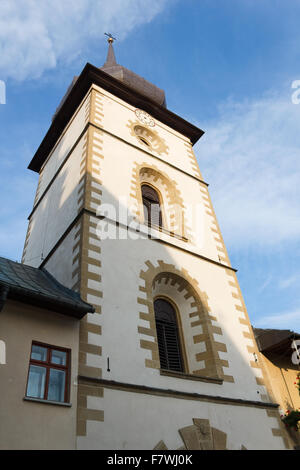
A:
{"points": [[32, 424]]}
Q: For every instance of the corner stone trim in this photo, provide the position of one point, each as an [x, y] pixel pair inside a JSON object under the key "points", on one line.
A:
{"points": [[87, 273]]}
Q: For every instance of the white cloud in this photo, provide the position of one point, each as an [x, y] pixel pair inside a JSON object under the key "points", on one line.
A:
{"points": [[18, 188], [265, 284], [251, 157], [286, 283], [36, 34], [284, 320]]}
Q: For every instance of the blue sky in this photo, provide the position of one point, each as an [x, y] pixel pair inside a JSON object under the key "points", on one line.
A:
{"points": [[227, 66]]}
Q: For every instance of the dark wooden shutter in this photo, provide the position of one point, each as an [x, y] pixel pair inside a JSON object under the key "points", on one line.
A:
{"points": [[151, 203], [167, 336]]}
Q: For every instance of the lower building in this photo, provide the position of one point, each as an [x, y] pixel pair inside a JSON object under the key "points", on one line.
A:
{"points": [[39, 334], [281, 361]]}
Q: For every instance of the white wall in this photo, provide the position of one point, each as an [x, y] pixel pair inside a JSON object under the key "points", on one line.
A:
{"points": [[113, 106], [56, 211], [122, 261], [138, 421], [64, 145]]}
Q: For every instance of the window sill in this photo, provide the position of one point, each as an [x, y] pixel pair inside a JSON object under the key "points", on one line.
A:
{"points": [[183, 375], [48, 402], [164, 230]]}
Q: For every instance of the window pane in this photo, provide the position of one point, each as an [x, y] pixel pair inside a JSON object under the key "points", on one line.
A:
{"points": [[36, 382], [149, 193], [155, 214], [151, 202], [56, 389], [38, 353], [167, 336], [164, 311], [147, 210], [59, 357]]}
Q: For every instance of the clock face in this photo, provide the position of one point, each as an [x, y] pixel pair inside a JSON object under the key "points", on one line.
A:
{"points": [[144, 118]]}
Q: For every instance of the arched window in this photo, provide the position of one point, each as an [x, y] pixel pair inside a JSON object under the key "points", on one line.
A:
{"points": [[167, 336], [151, 204]]}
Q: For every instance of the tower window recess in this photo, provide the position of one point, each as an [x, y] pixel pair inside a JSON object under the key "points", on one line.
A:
{"points": [[144, 141], [150, 139], [168, 336], [151, 204]]}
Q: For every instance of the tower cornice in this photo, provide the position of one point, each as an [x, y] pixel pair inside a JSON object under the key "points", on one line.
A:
{"points": [[92, 75]]}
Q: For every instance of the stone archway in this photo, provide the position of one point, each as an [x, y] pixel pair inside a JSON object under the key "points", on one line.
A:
{"points": [[173, 206], [203, 350]]}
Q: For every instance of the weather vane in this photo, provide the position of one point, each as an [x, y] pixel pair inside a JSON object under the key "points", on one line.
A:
{"points": [[111, 39]]}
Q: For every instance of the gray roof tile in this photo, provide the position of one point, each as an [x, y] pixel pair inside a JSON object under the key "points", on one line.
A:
{"points": [[38, 287]]}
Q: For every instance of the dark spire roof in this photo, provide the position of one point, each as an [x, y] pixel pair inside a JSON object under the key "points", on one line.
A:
{"points": [[136, 82], [111, 58], [36, 286], [130, 78]]}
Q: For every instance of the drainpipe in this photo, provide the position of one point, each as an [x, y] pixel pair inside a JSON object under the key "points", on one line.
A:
{"points": [[3, 296]]}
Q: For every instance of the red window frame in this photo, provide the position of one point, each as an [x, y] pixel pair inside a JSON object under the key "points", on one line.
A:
{"points": [[50, 365]]}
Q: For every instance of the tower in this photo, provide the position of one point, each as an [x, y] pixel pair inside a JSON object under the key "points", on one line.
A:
{"points": [[123, 215]]}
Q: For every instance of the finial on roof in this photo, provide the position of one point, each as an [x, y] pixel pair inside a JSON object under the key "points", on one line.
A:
{"points": [[110, 59], [111, 39]]}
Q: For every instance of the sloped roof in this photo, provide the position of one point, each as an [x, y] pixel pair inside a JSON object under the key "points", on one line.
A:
{"points": [[38, 287], [131, 79], [140, 84], [275, 341]]}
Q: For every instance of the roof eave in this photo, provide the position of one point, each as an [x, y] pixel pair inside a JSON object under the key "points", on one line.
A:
{"points": [[48, 303], [269, 343], [92, 75]]}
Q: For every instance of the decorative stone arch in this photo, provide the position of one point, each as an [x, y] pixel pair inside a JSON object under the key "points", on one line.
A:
{"points": [[199, 436], [144, 135], [202, 349], [173, 208]]}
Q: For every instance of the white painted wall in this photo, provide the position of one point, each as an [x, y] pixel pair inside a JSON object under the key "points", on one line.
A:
{"points": [[117, 172], [56, 211], [61, 265], [113, 106], [122, 261], [64, 145], [137, 421]]}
